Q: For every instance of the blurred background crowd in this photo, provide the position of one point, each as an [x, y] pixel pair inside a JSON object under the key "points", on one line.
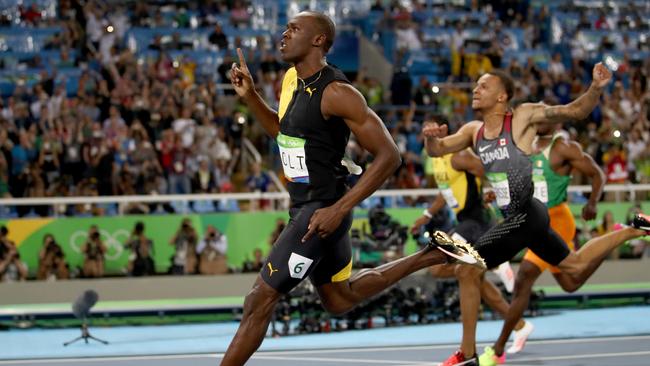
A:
{"points": [[109, 97]]}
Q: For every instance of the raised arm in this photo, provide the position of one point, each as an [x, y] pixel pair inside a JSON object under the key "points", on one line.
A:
{"points": [[584, 163], [577, 110], [242, 81], [437, 143], [345, 101]]}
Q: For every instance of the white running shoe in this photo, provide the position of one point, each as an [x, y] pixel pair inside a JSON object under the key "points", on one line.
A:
{"points": [[521, 336], [506, 275]]}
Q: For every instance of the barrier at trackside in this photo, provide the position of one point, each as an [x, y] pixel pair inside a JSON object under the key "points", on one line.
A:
{"points": [[245, 232]]}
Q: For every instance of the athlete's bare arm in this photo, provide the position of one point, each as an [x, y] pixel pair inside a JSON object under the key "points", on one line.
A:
{"points": [[343, 100], [438, 143], [242, 81], [467, 161], [582, 162], [437, 205], [577, 110]]}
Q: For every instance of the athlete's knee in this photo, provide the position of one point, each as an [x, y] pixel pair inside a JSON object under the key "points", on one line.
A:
{"points": [[570, 287], [337, 307], [260, 302], [338, 298], [567, 283], [468, 273], [573, 265]]}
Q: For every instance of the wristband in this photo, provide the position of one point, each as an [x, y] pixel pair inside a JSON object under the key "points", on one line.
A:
{"points": [[427, 214]]}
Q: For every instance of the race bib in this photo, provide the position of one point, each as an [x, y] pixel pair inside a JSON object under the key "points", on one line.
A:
{"points": [[541, 188], [292, 154], [298, 265], [448, 194], [499, 182]]}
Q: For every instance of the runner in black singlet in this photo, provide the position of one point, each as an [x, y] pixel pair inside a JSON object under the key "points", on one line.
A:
{"points": [[318, 110], [503, 142]]}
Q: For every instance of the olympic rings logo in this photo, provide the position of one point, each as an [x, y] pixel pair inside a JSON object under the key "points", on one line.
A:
{"points": [[114, 242]]}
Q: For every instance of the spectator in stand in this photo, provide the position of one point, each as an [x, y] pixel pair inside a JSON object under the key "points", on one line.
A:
{"points": [[48, 159], [51, 261], [258, 181], [21, 154], [377, 6], [407, 32], [458, 37], [239, 16], [601, 22], [94, 251], [218, 38], [177, 173], [424, 96], [400, 87], [615, 165], [30, 15], [212, 252], [34, 188], [224, 71], [584, 22], [203, 180], [177, 43], [4, 178], [635, 148], [556, 67]]}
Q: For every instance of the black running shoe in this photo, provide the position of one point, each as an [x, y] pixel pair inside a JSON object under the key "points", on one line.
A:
{"points": [[642, 222], [459, 250]]}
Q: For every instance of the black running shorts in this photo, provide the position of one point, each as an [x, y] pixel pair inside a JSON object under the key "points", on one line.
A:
{"points": [[322, 260], [471, 229], [530, 227]]}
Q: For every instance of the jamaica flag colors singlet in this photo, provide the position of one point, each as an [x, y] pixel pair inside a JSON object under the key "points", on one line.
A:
{"points": [[311, 148]]}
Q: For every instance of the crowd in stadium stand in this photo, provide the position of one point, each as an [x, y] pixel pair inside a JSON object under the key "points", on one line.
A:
{"points": [[161, 124]]}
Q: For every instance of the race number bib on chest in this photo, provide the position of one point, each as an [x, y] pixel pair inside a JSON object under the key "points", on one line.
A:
{"points": [[448, 194], [292, 154], [541, 188], [499, 182]]}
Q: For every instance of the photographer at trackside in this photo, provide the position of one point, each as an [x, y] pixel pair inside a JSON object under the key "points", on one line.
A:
{"points": [[93, 251], [51, 261], [11, 267], [212, 252], [140, 260], [184, 241]]}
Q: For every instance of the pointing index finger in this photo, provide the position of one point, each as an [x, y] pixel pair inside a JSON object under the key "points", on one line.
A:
{"points": [[311, 230], [242, 61]]}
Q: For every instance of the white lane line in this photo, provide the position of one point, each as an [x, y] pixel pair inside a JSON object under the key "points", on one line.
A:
{"points": [[587, 355], [337, 350], [336, 360], [113, 358], [445, 346]]}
